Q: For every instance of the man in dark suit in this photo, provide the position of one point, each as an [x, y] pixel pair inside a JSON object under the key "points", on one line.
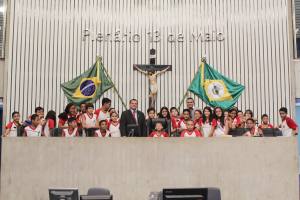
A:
{"points": [[132, 122]]}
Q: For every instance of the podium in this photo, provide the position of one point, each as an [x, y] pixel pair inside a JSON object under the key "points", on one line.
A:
{"points": [[243, 168]]}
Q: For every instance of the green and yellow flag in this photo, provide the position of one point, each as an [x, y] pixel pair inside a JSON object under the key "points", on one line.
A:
{"points": [[89, 86], [214, 88]]}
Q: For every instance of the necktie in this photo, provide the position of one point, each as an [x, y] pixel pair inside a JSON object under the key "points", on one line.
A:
{"points": [[134, 115]]}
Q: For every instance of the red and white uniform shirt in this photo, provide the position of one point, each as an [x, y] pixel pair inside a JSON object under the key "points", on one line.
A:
{"points": [[79, 119], [31, 131], [262, 126], [174, 122], [101, 115], [90, 121], [156, 134], [114, 129], [13, 129], [194, 133], [182, 124], [48, 126], [206, 127], [237, 122], [287, 126], [63, 122], [253, 132], [70, 133], [198, 123], [220, 129], [99, 134]]}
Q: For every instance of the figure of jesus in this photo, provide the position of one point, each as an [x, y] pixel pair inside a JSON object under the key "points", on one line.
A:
{"points": [[152, 75]]}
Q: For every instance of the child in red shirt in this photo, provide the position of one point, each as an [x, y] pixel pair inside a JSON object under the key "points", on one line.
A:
{"points": [[50, 123], [159, 131], [265, 122], [174, 121], [191, 131], [209, 124], [70, 111], [11, 127], [288, 126], [182, 125], [198, 119], [103, 130], [72, 130]]}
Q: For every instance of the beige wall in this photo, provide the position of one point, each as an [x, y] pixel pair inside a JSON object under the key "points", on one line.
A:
{"points": [[2, 70], [244, 168], [296, 64]]}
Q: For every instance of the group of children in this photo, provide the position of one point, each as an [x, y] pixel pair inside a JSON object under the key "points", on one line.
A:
{"points": [[104, 122], [217, 123]]}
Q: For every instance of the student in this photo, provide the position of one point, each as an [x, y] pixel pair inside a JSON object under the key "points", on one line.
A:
{"points": [[265, 122], [103, 112], [11, 129], [226, 114], [151, 114], [70, 111], [72, 130], [191, 131], [236, 121], [175, 118], [82, 107], [114, 125], [240, 114], [50, 123], [35, 129], [221, 127], [248, 114], [82, 110], [182, 124], [253, 130], [208, 122], [198, 119], [102, 131], [39, 111], [164, 113], [89, 119], [241, 118], [112, 110], [288, 126], [159, 131]]}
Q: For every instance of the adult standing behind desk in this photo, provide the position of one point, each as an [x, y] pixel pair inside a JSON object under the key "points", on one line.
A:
{"points": [[190, 103], [133, 117]]}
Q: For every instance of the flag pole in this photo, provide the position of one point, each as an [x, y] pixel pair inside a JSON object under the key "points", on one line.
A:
{"points": [[203, 60], [184, 96], [99, 58]]}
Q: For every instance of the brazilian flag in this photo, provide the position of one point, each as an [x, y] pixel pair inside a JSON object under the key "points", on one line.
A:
{"points": [[214, 88], [88, 86]]}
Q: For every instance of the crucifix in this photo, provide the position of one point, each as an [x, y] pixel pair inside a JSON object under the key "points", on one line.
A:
{"points": [[152, 71]]}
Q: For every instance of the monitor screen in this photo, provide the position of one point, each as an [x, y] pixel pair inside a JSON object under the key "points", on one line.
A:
{"points": [[63, 194], [96, 197], [185, 193]]}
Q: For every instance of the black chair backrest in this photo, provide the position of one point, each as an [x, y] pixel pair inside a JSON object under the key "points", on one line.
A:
{"points": [[90, 132], [238, 132], [20, 131], [98, 191], [56, 132]]}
